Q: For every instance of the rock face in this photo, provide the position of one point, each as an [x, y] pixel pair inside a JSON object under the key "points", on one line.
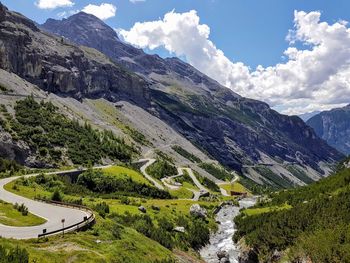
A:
{"points": [[234, 130], [197, 211], [334, 127], [58, 66]]}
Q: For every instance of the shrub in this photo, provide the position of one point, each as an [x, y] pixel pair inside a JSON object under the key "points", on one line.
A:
{"points": [[102, 209], [57, 196], [13, 255], [21, 208]]}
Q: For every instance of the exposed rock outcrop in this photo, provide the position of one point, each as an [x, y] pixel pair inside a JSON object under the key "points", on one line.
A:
{"points": [[56, 65], [334, 127], [197, 211]]}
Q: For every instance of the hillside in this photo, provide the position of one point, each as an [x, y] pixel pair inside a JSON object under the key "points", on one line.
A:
{"points": [[240, 133], [310, 223], [334, 127]]}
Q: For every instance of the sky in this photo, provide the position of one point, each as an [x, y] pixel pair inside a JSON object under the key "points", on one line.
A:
{"points": [[292, 54]]}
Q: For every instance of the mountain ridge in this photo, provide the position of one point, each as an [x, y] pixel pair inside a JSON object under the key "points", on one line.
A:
{"points": [[234, 130]]}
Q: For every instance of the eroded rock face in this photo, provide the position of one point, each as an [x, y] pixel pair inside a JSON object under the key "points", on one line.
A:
{"points": [[60, 67], [334, 127]]}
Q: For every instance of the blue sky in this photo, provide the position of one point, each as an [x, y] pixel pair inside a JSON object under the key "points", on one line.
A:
{"points": [[249, 31]]}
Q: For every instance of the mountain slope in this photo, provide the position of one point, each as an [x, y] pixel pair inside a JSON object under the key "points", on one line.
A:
{"points": [[236, 131], [334, 127], [306, 224]]}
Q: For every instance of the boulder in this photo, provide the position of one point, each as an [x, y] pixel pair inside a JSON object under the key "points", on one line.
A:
{"points": [[222, 254], [197, 211], [180, 229], [142, 209]]}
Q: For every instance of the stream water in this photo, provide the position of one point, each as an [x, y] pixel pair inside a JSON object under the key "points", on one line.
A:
{"points": [[222, 239]]}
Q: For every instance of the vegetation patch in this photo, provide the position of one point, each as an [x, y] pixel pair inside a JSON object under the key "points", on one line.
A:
{"points": [[9, 167], [181, 193], [51, 135], [207, 183], [311, 222], [257, 211], [217, 171], [235, 187], [276, 181], [186, 154], [161, 168], [18, 215], [124, 172]]}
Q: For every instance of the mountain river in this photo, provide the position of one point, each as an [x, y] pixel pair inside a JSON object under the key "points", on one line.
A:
{"points": [[222, 239]]}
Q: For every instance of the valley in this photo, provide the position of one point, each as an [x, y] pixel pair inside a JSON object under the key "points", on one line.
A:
{"points": [[111, 154]]}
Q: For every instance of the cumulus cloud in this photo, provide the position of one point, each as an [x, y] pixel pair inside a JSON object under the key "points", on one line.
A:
{"points": [[314, 78], [102, 11], [52, 4], [65, 14]]}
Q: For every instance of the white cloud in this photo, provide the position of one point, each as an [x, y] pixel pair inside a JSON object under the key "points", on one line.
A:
{"points": [[52, 4], [65, 14], [102, 11], [314, 78]]}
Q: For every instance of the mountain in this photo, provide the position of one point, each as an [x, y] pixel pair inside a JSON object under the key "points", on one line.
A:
{"points": [[306, 116], [305, 224], [334, 127], [242, 134]]}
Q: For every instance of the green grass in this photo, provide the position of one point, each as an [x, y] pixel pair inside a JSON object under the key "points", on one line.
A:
{"points": [[182, 193], [257, 211], [11, 217], [276, 181], [131, 247], [122, 172], [112, 115], [186, 154], [237, 187], [28, 192], [82, 247]]}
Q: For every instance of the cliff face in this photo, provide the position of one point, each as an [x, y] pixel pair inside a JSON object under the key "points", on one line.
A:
{"points": [[234, 130], [58, 66], [334, 127]]}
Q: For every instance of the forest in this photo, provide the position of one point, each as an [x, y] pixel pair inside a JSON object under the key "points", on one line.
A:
{"points": [[313, 222], [52, 135]]}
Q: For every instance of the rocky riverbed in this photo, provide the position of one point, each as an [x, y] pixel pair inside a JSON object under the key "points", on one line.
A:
{"points": [[221, 247]]}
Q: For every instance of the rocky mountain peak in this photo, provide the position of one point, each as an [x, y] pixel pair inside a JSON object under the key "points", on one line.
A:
{"points": [[80, 25], [88, 30]]}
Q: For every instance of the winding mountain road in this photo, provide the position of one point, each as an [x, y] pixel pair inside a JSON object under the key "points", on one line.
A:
{"points": [[52, 213], [149, 162]]}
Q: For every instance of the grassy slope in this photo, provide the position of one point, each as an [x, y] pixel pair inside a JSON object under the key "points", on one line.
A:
{"points": [[121, 172], [82, 245], [181, 193], [11, 217], [132, 246], [257, 211], [237, 187]]}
